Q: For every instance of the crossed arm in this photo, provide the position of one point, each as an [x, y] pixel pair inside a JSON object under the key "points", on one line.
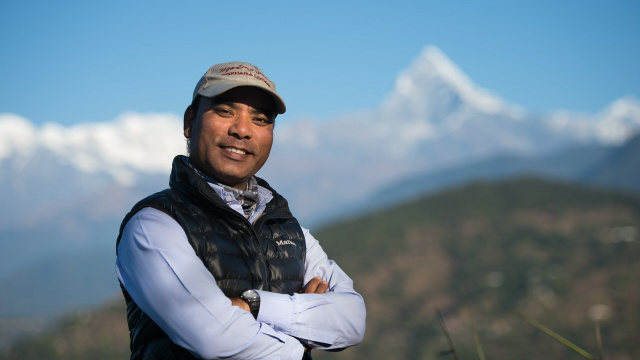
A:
{"points": [[163, 275], [315, 286]]}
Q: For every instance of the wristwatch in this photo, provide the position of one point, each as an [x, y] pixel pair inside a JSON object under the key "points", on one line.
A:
{"points": [[253, 299]]}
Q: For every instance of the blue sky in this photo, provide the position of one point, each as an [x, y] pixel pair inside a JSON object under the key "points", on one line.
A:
{"points": [[79, 61]]}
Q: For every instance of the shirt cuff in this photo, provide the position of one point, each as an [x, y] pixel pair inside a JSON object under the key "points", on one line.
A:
{"points": [[276, 310]]}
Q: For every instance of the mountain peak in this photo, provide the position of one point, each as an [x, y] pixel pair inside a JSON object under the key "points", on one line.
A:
{"points": [[432, 59], [433, 76]]}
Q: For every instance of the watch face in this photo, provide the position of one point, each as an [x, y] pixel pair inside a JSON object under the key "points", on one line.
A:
{"points": [[251, 295], [253, 299]]}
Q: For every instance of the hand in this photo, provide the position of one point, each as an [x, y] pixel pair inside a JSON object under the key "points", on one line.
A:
{"points": [[316, 286], [240, 303]]}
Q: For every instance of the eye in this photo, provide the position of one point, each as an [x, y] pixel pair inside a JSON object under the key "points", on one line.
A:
{"points": [[263, 120], [223, 111]]}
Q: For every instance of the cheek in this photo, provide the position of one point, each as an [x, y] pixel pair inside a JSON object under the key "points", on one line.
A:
{"points": [[207, 133], [268, 142]]}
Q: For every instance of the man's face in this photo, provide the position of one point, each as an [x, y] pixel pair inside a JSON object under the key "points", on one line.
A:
{"points": [[231, 135]]}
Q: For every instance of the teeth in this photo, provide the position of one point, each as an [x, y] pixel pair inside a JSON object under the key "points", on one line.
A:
{"points": [[237, 151]]}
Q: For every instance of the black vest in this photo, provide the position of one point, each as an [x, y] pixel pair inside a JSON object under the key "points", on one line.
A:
{"points": [[268, 255]]}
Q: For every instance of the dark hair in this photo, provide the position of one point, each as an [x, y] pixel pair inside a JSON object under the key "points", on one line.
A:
{"points": [[195, 104]]}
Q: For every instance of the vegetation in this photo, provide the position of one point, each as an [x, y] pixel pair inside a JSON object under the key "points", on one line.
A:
{"points": [[554, 252], [97, 335], [566, 257]]}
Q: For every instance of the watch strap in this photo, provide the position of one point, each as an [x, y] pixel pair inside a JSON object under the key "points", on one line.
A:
{"points": [[252, 298]]}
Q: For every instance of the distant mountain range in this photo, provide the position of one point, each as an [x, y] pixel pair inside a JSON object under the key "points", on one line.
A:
{"points": [[64, 190], [609, 167], [435, 119]]}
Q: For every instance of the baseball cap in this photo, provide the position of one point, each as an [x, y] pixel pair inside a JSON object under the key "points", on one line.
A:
{"points": [[226, 76]]}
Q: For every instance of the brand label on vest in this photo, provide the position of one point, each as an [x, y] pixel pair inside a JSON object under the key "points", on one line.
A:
{"points": [[285, 242]]}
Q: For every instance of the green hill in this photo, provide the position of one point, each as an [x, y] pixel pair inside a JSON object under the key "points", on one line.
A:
{"points": [[549, 250], [560, 254], [98, 335]]}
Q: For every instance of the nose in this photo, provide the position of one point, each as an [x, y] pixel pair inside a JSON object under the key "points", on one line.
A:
{"points": [[241, 126]]}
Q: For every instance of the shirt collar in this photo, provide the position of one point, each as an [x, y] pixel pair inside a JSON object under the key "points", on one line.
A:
{"points": [[250, 202]]}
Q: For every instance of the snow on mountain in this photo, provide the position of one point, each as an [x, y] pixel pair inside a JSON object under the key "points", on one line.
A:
{"points": [[614, 125], [131, 144], [17, 136], [435, 108], [433, 86], [435, 117]]}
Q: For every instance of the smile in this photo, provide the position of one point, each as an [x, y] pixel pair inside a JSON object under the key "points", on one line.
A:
{"points": [[234, 150]]}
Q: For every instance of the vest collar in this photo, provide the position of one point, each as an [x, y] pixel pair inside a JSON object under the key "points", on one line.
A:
{"points": [[250, 202]]}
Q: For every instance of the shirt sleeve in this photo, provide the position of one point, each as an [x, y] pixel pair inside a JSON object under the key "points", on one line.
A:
{"points": [[334, 320], [160, 270]]}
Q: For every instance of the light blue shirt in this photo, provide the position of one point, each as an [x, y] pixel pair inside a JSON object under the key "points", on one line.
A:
{"points": [[167, 280]]}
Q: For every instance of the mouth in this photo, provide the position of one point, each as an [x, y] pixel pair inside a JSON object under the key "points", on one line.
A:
{"points": [[235, 150]]}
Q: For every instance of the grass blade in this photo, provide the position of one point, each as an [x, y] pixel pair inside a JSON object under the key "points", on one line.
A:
{"points": [[476, 338], [452, 349], [557, 337], [599, 340]]}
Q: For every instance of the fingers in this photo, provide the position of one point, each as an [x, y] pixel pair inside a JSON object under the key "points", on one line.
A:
{"points": [[322, 288], [316, 286], [312, 285]]}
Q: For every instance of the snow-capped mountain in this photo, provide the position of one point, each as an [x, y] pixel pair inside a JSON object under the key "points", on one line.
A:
{"points": [[434, 118], [435, 91], [612, 125], [130, 144], [65, 189]]}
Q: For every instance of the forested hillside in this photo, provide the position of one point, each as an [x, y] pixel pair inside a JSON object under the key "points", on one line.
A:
{"points": [[552, 251], [562, 255]]}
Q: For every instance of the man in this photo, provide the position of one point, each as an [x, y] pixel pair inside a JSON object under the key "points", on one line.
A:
{"points": [[216, 266]]}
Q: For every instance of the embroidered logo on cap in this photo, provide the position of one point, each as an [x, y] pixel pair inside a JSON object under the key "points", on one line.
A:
{"points": [[246, 71]]}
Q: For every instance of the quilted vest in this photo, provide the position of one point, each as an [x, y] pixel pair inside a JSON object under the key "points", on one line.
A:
{"points": [[267, 255]]}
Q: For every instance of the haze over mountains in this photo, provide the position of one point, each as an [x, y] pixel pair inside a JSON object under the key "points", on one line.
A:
{"points": [[65, 190]]}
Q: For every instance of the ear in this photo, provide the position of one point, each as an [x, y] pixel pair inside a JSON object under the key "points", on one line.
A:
{"points": [[189, 119]]}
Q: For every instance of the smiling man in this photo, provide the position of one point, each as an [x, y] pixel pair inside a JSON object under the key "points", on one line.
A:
{"points": [[232, 137], [216, 266]]}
